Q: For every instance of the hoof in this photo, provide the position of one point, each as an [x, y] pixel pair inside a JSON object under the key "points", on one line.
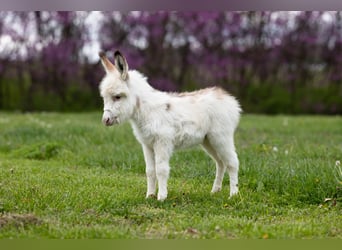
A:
{"points": [[151, 196], [161, 197], [234, 193], [215, 190]]}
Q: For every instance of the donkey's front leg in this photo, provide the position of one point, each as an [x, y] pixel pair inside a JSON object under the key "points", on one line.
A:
{"points": [[150, 171], [162, 154]]}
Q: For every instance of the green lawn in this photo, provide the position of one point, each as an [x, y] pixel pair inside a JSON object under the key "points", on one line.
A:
{"points": [[68, 176]]}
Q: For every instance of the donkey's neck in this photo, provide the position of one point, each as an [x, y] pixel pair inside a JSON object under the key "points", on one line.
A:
{"points": [[147, 99]]}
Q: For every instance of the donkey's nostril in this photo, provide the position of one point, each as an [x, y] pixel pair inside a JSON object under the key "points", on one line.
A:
{"points": [[106, 121]]}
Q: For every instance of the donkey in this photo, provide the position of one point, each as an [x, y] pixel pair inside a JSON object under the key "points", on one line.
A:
{"points": [[163, 122]]}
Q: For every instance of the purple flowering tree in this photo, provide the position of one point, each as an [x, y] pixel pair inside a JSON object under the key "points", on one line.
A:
{"points": [[268, 59], [45, 59], [60, 41], [272, 61]]}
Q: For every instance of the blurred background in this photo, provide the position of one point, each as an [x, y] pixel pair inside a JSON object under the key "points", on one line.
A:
{"points": [[273, 62]]}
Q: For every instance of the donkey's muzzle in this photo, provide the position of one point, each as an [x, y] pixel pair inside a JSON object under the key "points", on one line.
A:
{"points": [[108, 119]]}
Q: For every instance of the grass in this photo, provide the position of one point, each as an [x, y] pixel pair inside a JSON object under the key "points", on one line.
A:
{"points": [[68, 176]]}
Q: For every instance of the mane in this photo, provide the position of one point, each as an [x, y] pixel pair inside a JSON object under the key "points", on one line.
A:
{"points": [[139, 85], [137, 79]]}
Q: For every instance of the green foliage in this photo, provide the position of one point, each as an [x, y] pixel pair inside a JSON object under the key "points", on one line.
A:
{"points": [[18, 97], [68, 176], [258, 97], [277, 99]]}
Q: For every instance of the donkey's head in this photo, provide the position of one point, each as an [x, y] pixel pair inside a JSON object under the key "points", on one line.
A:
{"points": [[118, 102]]}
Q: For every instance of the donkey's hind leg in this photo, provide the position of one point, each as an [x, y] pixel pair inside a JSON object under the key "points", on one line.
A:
{"points": [[220, 168], [224, 148]]}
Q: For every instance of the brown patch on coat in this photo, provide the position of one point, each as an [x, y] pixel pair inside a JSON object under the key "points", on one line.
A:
{"points": [[168, 106], [219, 92], [138, 103]]}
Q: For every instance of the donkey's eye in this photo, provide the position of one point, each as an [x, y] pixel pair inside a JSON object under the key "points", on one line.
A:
{"points": [[117, 97]]}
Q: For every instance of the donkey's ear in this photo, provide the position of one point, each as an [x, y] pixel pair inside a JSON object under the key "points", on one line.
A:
{"points": [[108, 66], [121, 65]]}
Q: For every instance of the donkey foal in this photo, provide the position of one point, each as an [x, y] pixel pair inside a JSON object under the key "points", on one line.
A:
{"points": [[163, 122]]}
